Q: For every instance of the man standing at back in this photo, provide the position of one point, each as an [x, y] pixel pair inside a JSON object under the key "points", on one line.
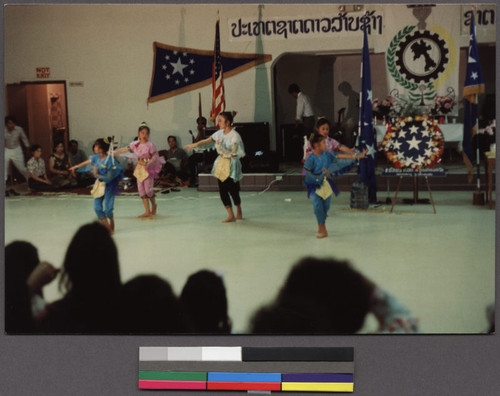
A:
{"points": [[304, 111], [13, 151]]}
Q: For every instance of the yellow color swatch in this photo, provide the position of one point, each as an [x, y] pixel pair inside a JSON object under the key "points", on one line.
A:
{"points": [[318, 386]]}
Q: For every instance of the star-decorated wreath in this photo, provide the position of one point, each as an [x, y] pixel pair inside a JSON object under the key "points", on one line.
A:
{"points": [[413, 142]]}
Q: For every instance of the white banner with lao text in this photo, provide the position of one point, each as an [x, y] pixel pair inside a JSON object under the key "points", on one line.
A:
{"points": [[338, 25]]}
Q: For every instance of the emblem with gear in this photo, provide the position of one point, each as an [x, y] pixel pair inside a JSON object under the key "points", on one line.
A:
{"points": [[421, 56]]}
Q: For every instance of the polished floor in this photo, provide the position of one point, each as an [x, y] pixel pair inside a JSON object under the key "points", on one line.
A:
{"points": [[439, 265]]}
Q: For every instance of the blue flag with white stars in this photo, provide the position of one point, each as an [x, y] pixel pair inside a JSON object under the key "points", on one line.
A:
{"points": [[366, 135], [474, 83], [473, 86], [178, 69]]}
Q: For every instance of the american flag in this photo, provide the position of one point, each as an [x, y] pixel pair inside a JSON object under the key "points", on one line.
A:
{"points": [[365, 127], [473, 86], [218, 99]]}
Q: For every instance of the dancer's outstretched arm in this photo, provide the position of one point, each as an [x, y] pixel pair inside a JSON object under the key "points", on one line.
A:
{"points": [[203, 142], [80, 165], [121, 151], [353, 156]]}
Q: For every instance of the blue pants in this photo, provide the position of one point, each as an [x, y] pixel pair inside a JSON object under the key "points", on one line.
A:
{"points": [[108, 201], [321, 207]]}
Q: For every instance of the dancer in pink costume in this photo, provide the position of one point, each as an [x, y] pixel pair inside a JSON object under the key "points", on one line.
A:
{"points": [[147, 169]]}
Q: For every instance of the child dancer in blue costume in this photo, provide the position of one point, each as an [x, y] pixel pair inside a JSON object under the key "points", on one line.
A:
{"points": [[105, 169], [320, 167]]}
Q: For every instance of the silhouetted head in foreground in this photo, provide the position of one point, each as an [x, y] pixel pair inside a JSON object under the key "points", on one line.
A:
{"points": [[204, 299], [320, 296], [21, 258], [149, 305], [90, 269]]}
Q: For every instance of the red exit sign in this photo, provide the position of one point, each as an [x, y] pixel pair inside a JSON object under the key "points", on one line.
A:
{"points": [[42, 72]]}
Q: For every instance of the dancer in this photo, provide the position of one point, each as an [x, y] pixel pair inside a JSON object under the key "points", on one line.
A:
{"points": [[108, 171], [320, 166], [323, 128], [227, 166], [147, 169]]}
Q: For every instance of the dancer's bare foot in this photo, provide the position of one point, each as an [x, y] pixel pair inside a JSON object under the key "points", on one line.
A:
{"points": [[147, 212], [105, 223], [239, 214], [322, 232], [153, 209], [112, 225], [230, 215]]}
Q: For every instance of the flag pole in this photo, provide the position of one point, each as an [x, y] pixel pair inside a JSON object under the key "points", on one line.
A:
{"points": [[478, 197], [478, 159], [476, 101], [199, 105]]}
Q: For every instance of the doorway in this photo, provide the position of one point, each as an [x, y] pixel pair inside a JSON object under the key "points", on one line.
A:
{"points": [[332, 81], [313, 74], [41, 110]]}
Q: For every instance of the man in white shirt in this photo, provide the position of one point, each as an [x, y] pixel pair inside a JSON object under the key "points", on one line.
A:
{"points": [[304, 110], [13, 152]]}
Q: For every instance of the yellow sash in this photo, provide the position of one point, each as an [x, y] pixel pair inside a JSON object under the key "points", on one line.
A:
{"points": [[222, 168], [325, 190], [98, 189], [141, 173]]}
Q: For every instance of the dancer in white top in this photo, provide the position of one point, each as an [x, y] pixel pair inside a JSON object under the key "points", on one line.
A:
{"points": [[227, 166]]}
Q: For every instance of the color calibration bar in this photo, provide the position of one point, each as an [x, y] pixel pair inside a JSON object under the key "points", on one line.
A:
{"points": [[247, 368]]}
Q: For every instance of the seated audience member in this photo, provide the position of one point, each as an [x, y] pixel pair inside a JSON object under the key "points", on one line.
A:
{"points": [[59, 165], [204, 299], [37, 174], [77, 156], [90, 282], [25, 277], [148, 305], [326, 296], [196, 158], [201, 126], [175, 171]]}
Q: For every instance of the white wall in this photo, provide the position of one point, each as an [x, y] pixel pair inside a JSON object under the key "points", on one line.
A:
{"points": [[109, 49]]}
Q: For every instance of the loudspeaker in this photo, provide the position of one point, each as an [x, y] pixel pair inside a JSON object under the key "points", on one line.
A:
{"points": [[359, 195], [260, 162], [293, 142], [255, 136]]}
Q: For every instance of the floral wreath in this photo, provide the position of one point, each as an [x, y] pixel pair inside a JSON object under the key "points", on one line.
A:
{"points": [[401, 151]]}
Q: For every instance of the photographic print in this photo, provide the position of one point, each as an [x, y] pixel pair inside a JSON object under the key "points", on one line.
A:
{"points": [[249, 168]]}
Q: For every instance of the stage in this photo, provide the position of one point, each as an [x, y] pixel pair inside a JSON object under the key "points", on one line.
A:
{"points": [[441, 266], [290, 178]]}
